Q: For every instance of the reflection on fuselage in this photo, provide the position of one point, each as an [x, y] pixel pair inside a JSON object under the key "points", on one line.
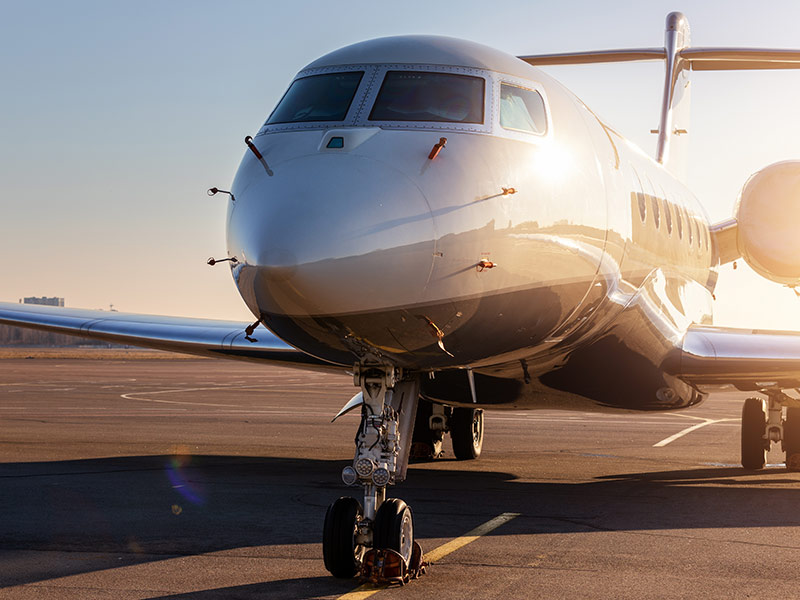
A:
{"points": [[369, 250]]}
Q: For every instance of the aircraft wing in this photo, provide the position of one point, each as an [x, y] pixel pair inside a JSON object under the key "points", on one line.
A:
{"points": [[750, 359], [204, 337]]}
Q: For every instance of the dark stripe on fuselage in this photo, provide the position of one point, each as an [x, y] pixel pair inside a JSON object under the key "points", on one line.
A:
{"points": [[470, 329]]}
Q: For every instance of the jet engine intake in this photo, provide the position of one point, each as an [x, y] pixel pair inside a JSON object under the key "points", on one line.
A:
{"points": [[768, 216]]}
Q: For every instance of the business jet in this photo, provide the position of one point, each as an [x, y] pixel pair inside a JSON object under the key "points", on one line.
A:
{"points": [[460, 232]]}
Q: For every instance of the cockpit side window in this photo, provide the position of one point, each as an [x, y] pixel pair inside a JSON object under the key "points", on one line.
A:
{"points": [[429, 96], [522, 110], [324, 97]]}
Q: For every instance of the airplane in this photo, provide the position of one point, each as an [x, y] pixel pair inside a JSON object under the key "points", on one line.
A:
{"points": [[457, 230]]}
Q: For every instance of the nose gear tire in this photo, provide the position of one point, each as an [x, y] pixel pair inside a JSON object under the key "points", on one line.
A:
{"points": [[339, 548], [394, 528]]}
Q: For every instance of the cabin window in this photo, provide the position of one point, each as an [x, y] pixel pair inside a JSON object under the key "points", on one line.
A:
{"points": [[638, 194], [656, 212], [522, 109], [428, 96], [324, 97]]}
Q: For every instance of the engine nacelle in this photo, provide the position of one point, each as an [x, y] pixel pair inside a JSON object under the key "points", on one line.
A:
{"points": [[768, 216]]}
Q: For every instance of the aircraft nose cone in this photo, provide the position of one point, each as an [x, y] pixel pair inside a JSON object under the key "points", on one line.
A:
{"points": [[329, 235]]}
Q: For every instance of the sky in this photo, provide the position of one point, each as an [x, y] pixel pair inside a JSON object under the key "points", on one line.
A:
{"points": [[116, 117]]}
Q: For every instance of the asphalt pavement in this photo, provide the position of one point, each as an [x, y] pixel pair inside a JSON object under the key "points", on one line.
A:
{"points": [[201, 479]]}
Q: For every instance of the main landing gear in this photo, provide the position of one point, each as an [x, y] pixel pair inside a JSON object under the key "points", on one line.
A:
{"points": [[377, 533], [765, 422], [466, 431], [464, 424]]}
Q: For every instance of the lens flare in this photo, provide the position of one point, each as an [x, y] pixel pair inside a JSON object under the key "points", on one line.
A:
{"points": [[553, 162], [177, 473]]}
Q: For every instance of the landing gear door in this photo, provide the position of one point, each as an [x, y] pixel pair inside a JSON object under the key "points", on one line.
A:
{"points": [[404, 401]]}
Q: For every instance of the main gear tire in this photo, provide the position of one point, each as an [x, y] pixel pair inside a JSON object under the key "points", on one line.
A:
{"points": [[791, 439], [754, 429], [466, 432], [426, 444]]}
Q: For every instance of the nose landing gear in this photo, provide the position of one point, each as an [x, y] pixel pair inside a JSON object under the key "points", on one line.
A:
{"points": [[376, 538]]}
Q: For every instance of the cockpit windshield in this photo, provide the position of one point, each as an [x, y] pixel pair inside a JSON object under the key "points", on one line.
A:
{"points": [[522, 109], [317, 98], [428, 96]]}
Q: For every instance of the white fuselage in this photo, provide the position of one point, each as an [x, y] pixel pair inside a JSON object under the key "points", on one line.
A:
{"points": [[552, 263]]}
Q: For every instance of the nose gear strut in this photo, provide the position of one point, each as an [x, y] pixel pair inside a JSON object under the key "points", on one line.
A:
{"points": [[356, 537]]}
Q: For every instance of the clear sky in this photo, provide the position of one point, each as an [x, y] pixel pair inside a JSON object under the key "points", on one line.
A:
{"points": [[116, 117]]}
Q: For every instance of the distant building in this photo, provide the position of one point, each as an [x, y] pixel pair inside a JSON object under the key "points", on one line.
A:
{"points": [[44, 300]]}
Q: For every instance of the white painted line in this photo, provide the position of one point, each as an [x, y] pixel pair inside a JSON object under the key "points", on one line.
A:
{"points": [[129, 396], [688, 430], [685, 416], [631, 421]]}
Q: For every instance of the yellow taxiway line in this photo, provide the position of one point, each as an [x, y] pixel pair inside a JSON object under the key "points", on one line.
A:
{"points": [[367, 590]]}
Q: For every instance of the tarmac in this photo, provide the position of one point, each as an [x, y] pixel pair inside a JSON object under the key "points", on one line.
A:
{"points": [[199, 479]]}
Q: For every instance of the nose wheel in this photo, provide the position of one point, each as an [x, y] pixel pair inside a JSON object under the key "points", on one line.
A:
{"points": [[394, 528], [341, 547]]}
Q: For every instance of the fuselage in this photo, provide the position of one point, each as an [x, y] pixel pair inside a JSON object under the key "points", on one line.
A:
{"points": [[444, 207]]}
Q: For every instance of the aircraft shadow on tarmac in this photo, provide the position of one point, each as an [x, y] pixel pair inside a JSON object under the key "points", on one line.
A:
{"points": [[131, 510]]}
